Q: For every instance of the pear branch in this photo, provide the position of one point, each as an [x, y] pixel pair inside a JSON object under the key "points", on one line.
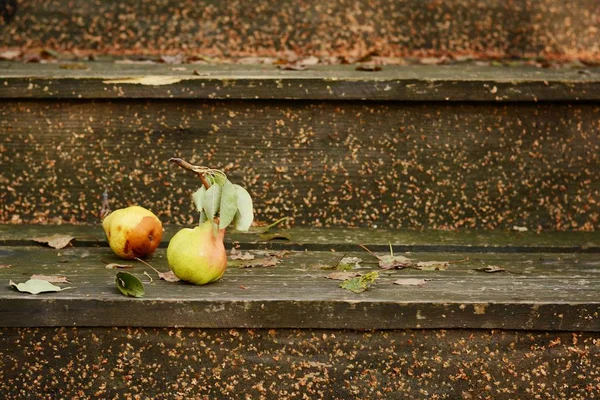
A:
{"points": [[195, 169]]}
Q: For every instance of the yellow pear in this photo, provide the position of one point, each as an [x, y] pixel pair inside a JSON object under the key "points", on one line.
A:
{"points": [[132, 232], [198, 255]]}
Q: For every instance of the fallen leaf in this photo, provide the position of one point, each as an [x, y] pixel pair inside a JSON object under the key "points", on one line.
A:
{"points": [[275, 236], [128, 61], [2, 266], [177, 59], [411, 282], [520, 228], [243, 287], [361, 283], [116, 266], [342, 275], [312, 60], [295, 66], [51, 278], [168, 276], [432, 265], [36, 286], [10, 55], [151, 80], [490, 269], [235, 254], [56, 241], [390, 261], [259, 262], [129, 285], [371, 67], [433, 60]]}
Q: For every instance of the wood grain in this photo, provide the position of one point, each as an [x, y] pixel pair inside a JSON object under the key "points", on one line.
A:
{"points": [[468, 82], [541, 291], [393, 164]]}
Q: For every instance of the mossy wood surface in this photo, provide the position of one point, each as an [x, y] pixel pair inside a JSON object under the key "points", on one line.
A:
{"points": [[468, 82], [537, 290]]}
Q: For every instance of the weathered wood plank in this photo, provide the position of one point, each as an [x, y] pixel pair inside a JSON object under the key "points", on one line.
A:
{"points": [[288, 364], [549, 292], [344, 240], [406, 83], [489, 28], [409, 165]]}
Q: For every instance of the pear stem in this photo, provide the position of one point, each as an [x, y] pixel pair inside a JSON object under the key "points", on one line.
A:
{"points": [[186, 165]]}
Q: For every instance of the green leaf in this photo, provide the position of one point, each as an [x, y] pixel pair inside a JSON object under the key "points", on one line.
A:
{"points": [[198, 198], [245, 213], [220, 179], [129, 285], [212, 200], [36, 286], [228, 204], [361, 283], [203, 217]]}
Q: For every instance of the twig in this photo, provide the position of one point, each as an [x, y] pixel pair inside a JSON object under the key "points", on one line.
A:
{"points": [[197, 170], [145, 263], [148, 275], [280, 220], [369, 251]]}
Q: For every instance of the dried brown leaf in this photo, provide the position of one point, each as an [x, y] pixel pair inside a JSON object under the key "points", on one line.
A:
{"points": [[432, 265], [342, 275], [51, 278], [260, 262], [10, 55], [411, 282], [389, 261], [490, 269], [370, 66], [2, 266], [177, 59], [116, 266], [295, 66], [235, 254], [56, 241], [168, 276]]}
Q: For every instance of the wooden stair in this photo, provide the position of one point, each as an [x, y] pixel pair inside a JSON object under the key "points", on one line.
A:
{"points": [[486, 161]]}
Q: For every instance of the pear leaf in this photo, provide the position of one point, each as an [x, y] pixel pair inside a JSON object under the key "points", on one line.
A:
{"points": [[245, 213], [36, 286], [212, 200], [129, 285], [203, 217], [220, 179], [198, 198], [229, 205]]}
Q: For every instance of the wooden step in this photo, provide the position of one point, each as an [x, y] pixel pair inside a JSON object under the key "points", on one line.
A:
{"points": [[543, 279], [480, 28], [510, 147], [286, 330]]}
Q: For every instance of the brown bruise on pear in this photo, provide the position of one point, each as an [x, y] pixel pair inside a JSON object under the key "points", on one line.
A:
{"points": [[144, 238], [140, 240]]}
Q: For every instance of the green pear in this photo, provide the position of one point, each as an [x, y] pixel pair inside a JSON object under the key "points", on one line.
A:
{"points": [[198, 255]]}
